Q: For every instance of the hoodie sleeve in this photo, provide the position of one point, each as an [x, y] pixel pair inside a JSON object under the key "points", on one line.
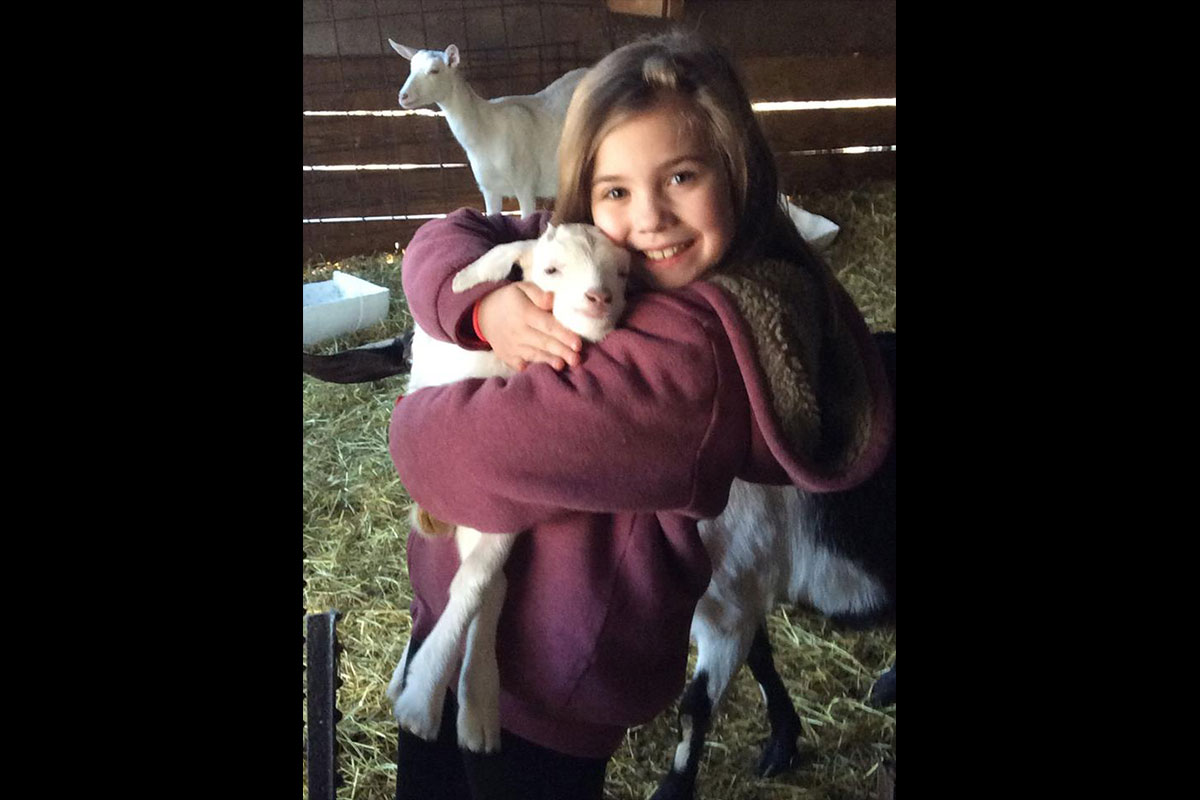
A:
{"points": [[442, 247], [655, 418]]}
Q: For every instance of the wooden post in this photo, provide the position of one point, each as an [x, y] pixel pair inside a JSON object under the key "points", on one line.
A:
{"points": [[665, 9]]}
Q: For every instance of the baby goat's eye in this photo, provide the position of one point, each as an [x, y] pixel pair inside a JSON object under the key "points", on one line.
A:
{"points": [[551, 270]]}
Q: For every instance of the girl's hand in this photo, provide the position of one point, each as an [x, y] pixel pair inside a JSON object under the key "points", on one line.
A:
{"points": [[517, 323]]}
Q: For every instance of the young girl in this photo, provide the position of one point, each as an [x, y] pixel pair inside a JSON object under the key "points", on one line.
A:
{"points": [[743, 358]]}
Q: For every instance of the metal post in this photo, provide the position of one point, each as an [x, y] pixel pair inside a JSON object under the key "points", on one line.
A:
{"points": [[323, 716]]}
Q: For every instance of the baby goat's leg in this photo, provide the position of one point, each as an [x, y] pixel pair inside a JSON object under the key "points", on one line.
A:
{"points": [[418, 708], [479, 680], [780, 753], [723, 635], [397, 681]]}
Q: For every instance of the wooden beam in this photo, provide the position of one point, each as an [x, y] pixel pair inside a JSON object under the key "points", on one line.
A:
{"points": [[663, 9], [427, 140], [797, 175], [825, 77]]}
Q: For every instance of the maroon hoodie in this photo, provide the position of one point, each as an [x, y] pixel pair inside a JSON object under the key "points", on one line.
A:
{"points": [[608, 466]]}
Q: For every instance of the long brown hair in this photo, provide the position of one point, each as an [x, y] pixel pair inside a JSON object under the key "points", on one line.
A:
{"points": [[632, 79]]}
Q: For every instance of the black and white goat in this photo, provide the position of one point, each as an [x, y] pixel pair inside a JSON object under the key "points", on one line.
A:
{"points": [[778, 544]]}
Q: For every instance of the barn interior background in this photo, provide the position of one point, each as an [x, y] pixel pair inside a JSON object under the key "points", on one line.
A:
{"points": [[373, 173], [372, 176]]}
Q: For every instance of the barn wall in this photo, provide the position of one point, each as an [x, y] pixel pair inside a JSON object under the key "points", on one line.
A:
{"points": [[786, 50]]}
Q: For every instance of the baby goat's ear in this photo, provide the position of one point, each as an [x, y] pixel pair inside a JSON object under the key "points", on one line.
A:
{"points": [[525, 261], [452, 56], [548, 234], [407, 52]]}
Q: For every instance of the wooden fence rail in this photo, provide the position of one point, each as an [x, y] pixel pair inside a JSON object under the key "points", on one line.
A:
{"points": [[398, 176]]}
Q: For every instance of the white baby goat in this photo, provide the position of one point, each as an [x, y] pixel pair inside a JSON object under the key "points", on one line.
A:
{"points": [[511, 142], [588, 275]]}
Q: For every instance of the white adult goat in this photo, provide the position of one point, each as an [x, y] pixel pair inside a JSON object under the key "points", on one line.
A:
{"points": [[588, 275], [511, 142]]}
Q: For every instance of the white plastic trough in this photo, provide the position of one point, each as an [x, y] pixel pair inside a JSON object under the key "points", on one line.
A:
{"points": [[342, 305]]}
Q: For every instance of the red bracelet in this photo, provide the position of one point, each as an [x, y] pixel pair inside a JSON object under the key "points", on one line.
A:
{"points": [[475, 322]]}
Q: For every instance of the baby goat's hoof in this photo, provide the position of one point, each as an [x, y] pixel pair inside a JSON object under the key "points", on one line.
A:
{"points": [[478, 727], [416, 715], [396, 684]]}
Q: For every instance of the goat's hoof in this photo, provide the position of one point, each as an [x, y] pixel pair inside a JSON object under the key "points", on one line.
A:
{"points": [[779, 755], [883, 692], [676, 786], [479, 727], [417, 715], [396, 684]]}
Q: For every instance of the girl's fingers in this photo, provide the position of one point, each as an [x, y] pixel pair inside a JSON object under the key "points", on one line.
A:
{"points": [[533, 355], [547, 324], [541, 299], [560, 333], [516, 320], [556, 349], [539, 317]]}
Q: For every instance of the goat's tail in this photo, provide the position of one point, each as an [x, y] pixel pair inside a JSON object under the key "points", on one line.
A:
{"points": [[363, 364], [428, 525]]}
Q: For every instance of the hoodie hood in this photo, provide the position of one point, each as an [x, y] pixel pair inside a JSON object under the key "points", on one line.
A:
{"points": [[818, 392]]}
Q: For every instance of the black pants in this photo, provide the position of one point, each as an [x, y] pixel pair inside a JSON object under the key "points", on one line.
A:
{"points": [[520, 771]]}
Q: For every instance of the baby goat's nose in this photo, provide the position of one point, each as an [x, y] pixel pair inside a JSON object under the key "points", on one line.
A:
{"points": [[598, 297]]}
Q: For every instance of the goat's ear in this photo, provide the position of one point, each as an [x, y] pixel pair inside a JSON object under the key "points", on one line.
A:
{"points": [[548, 234], [407, 52], [452, 56], [525, 260]]}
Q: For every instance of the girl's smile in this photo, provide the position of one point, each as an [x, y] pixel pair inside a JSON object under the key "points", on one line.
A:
{"points": [[666, 254], [659, 189]]}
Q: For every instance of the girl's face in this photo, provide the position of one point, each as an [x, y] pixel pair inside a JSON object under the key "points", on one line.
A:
{"points": [[660, 190]]}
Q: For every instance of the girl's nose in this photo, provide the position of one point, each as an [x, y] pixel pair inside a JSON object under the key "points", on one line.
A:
{"points": [[652, 214]]}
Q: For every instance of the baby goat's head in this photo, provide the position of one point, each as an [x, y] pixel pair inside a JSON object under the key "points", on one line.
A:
{"points": [[586, 272], [429, 80]]}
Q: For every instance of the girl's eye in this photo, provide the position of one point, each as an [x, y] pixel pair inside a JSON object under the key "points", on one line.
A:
{"points": [[682, 177], [615, 193]]}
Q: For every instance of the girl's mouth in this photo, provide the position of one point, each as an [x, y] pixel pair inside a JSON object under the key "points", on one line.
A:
{"points": [[668, 255]]}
